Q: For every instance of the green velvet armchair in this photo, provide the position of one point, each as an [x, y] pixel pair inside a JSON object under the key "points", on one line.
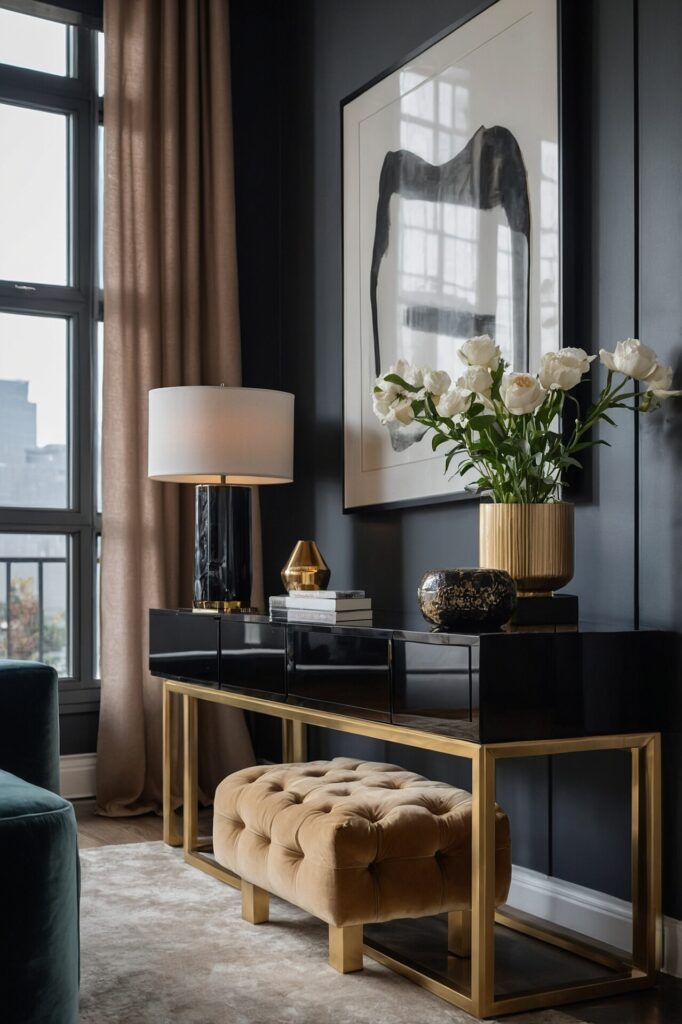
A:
{"points": [[39, 878]]}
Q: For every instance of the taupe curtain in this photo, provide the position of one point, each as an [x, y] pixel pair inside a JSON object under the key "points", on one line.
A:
{"points": [[171, 317]]}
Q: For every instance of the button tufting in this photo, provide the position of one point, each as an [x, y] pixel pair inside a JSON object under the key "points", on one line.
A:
{"points": [[403, 801]]}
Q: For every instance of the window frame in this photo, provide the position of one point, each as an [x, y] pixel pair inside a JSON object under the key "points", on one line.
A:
{"points": [[80, 302]]}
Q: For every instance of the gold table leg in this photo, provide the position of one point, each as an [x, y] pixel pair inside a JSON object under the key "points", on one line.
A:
{"points": [[172, 835], [294, 742], [459, 933], [287, 742], [190, 812], [482, 882], [299, 742], [646, 857]]}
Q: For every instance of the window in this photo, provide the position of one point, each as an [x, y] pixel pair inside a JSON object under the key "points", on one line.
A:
{"points": [[51, 340]]}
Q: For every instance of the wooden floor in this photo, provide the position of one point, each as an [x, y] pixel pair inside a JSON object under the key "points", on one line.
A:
{"points": [[94, 830], [662, 1005]]}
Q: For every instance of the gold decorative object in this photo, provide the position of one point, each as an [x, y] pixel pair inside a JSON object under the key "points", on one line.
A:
{"points": [[305, 568], [533, 543], [224, 608]]}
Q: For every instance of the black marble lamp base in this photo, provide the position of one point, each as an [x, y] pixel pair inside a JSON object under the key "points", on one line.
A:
{"points": [[222, 548], [557, 610]]}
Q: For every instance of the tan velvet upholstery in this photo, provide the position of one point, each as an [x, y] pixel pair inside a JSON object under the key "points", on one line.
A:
{"points": [[352, 842]]}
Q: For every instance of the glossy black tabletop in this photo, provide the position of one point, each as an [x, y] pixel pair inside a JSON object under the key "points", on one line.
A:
{"points": [[534, 683], [412, 626]]}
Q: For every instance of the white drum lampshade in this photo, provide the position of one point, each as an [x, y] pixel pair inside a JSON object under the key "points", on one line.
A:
{"points": [[223, 440], [213, 435]]}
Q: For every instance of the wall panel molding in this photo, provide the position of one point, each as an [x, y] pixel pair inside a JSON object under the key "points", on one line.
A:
{"points": [[590, 913], [77, 774]]}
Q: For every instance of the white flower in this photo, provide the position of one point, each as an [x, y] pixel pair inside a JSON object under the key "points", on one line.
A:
{"points": [[478, 379], [381, 403], [481, 351], [390, 401], [564, 369], [522, 393], [454, 402], [631, 358], [436, 381], [659, 381], [401, 411], [409, 373]]}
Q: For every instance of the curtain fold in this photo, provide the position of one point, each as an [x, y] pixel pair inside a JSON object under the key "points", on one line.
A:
{"points": [[171, 318]]}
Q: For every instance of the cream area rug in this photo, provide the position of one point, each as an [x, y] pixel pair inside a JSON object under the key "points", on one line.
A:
{"points": [[164, 943]]}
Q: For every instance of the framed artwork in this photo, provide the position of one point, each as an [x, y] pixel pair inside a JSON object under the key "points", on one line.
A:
{"points": [[451, 228]]}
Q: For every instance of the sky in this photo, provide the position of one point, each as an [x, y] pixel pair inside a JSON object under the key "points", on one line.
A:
{"points": [[33, 221], [32, 43]]}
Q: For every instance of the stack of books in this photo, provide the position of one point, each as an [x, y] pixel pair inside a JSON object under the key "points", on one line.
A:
{"points": [[328, 606]]}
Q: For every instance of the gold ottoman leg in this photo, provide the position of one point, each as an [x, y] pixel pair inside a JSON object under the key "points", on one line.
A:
{"points": [[255, 904], [459, 932], [345, 948]]}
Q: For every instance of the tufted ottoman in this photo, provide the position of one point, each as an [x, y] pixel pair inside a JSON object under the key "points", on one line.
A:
{"points": [[352, 842]]}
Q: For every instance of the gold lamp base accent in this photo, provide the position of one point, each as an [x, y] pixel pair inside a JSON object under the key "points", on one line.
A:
{"points": [[305, 568], [224, 607], [533, 543]]}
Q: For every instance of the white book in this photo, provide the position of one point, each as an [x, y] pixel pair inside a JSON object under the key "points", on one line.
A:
{"points": [[305, 615], [340, 604], [326, 595]]}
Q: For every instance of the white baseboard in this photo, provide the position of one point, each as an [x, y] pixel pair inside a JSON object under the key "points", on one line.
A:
{"points": [[594, 914], [77, 774]]}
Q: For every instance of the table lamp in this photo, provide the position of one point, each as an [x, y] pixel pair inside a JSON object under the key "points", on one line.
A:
{"points": [[223, 440]]}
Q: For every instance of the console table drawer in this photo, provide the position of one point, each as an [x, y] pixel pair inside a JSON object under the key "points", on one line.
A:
{"points": [[334, 671], [432, 687], [253, 657], [184, 646]]}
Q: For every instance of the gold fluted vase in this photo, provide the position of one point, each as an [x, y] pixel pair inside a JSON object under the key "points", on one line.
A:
{"points": [[533, 543]]}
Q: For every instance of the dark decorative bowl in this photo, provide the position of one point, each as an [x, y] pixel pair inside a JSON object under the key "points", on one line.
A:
{"points": [[467, 599]]}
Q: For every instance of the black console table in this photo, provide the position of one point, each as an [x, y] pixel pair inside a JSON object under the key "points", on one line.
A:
{"points": [[482, 697]]}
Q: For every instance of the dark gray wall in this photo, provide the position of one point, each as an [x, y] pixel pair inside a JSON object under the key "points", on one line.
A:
{"points": [[660, 438], [292, 65]]}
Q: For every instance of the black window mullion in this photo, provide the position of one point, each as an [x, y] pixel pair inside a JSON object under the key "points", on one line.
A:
{"points": [[32, 520], [87, 165], [8, 608], [41, 614], [66, 303], [54, 87]]}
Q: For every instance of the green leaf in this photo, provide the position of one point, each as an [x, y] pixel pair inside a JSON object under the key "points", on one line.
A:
{"points": [[481, 422], [393, 378], [437, 440]]}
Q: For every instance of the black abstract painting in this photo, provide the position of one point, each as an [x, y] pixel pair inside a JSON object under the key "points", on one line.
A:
{"points": [[489, 172]]}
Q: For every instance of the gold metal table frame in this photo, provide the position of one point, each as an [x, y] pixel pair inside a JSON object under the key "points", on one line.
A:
{"points": [[632, 971]]}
